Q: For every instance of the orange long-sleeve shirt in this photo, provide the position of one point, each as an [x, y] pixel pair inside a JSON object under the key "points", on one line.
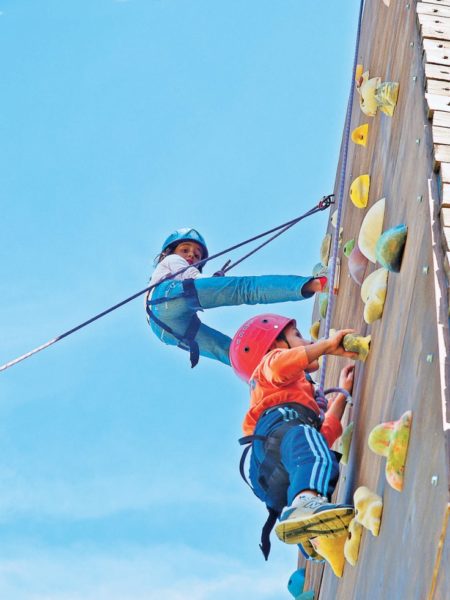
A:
{"points": [[280, 377]]}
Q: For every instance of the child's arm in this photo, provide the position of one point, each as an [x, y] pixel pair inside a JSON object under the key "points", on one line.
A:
{"points": [[339, 402], [331, 345]]}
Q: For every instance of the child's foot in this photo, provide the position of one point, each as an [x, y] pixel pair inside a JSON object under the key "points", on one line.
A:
{"points": [[315, 285], [313, 516]]}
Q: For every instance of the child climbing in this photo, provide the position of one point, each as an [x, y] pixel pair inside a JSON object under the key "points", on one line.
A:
{"points": [[173, 304], [292, 469]]}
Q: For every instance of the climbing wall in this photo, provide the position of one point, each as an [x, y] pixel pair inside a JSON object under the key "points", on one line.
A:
{"points": [[407, 157]]}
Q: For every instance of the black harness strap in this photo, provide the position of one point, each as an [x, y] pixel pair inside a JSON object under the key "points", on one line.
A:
{"points": [[272, 474], [187, 340]]}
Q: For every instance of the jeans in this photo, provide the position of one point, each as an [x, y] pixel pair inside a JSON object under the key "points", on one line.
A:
{"points": [[214, 292]]}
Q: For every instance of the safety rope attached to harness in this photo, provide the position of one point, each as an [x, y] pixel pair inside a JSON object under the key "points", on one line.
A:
{"points": [[322, 205]]}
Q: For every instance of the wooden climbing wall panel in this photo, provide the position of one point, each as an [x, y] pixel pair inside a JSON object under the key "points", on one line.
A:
{"points": [[408, 159]]}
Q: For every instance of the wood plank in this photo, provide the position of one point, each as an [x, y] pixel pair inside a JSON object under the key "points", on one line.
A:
{"points": [[441, 119], [439, 56], [445, 217], [435, 44], [437, 31], [441, 154], [441, 135], [445, 198], [436, 86], [440, 2], [437, 72], [432, 20], [424, 8], [436, 102], [445, 172], [446, 236]]}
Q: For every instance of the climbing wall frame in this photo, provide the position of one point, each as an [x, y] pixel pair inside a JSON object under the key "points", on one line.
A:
{"points": [[408, 159]]}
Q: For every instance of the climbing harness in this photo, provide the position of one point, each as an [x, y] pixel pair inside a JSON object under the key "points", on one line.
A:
{"points": [[322, 205], [187, 340], [271, 473]]}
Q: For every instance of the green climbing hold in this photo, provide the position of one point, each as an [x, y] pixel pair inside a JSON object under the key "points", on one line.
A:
{"points": [[390, 246], [348, 247]]}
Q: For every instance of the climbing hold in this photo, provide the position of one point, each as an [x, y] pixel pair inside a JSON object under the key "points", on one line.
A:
{"points": [[390, 246], [374, 95], [332, 549], [366, 89], [353, 541], [358, 72], [325, 249], [391, 440], [345, 443], [333, 219], [373, 294], [387, 2], [353, 342], [319, 270], [371, 229], [368, 509], [359, 191], [296, 584], [323, 304], [314, 331], [386, 96], [360, 134], [348, 247], [357, 264]]}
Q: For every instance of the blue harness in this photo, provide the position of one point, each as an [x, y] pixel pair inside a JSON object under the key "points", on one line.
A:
{"points": [[186, 341]]}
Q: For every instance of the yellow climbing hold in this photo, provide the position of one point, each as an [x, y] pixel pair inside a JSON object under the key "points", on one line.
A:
{"points": [[367, 89], [345, 443], [332, 550], [391, 440], [373, 294], [358, 72], [353, 342], [359, 191], [371, 229], [314, 331], [360, 134], [368, 509], [386, 96], [325, 249], [353, 541], [323, 304]]}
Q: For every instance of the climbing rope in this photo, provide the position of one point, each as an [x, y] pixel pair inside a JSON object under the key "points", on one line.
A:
{"points": [[322, 205], [340, 201]]}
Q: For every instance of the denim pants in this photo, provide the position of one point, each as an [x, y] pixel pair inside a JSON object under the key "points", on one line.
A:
{"points": [[214, 292], [307, 462]]}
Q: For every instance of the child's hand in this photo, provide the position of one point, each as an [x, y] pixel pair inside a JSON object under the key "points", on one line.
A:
{"points": [[335, 346], [346, 378]]}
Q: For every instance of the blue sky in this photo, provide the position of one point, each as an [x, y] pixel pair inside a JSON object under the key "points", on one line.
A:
{"points": [[120, 121]]}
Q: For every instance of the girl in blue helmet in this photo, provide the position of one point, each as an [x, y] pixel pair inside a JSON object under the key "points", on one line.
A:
{"points": [[173, 304]]}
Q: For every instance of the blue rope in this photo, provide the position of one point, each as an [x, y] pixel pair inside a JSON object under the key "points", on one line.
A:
{"points": [[340, 202]]}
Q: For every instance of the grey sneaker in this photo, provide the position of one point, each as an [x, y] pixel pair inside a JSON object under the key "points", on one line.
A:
{"points": [[313, 516]]}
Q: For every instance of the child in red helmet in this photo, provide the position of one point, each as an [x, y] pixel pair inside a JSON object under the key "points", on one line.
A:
{"points": [[292, 468], [173, 305]]}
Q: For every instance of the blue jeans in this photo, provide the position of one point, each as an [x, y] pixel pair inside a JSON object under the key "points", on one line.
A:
{"points": [[214, 292], [306, 462]]}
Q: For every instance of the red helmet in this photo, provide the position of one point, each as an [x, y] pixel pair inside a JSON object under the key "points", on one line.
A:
{"points": [[252, 340]]}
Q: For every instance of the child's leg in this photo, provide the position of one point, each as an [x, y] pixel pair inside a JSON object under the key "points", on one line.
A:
{"points": [[213, 344], [310, 463], [265, 289]]}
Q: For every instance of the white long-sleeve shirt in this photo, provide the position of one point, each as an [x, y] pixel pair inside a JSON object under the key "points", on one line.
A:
{"points": [[170, 265]]}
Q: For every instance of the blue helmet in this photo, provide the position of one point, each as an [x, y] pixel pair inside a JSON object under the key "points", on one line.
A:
{"points": [[185, 234]]}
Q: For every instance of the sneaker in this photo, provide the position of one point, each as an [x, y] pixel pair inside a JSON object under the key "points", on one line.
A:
{"points": [[311, 517]]}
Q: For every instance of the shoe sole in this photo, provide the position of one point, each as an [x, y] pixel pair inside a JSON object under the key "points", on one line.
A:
{"points": [[328, 523]]}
